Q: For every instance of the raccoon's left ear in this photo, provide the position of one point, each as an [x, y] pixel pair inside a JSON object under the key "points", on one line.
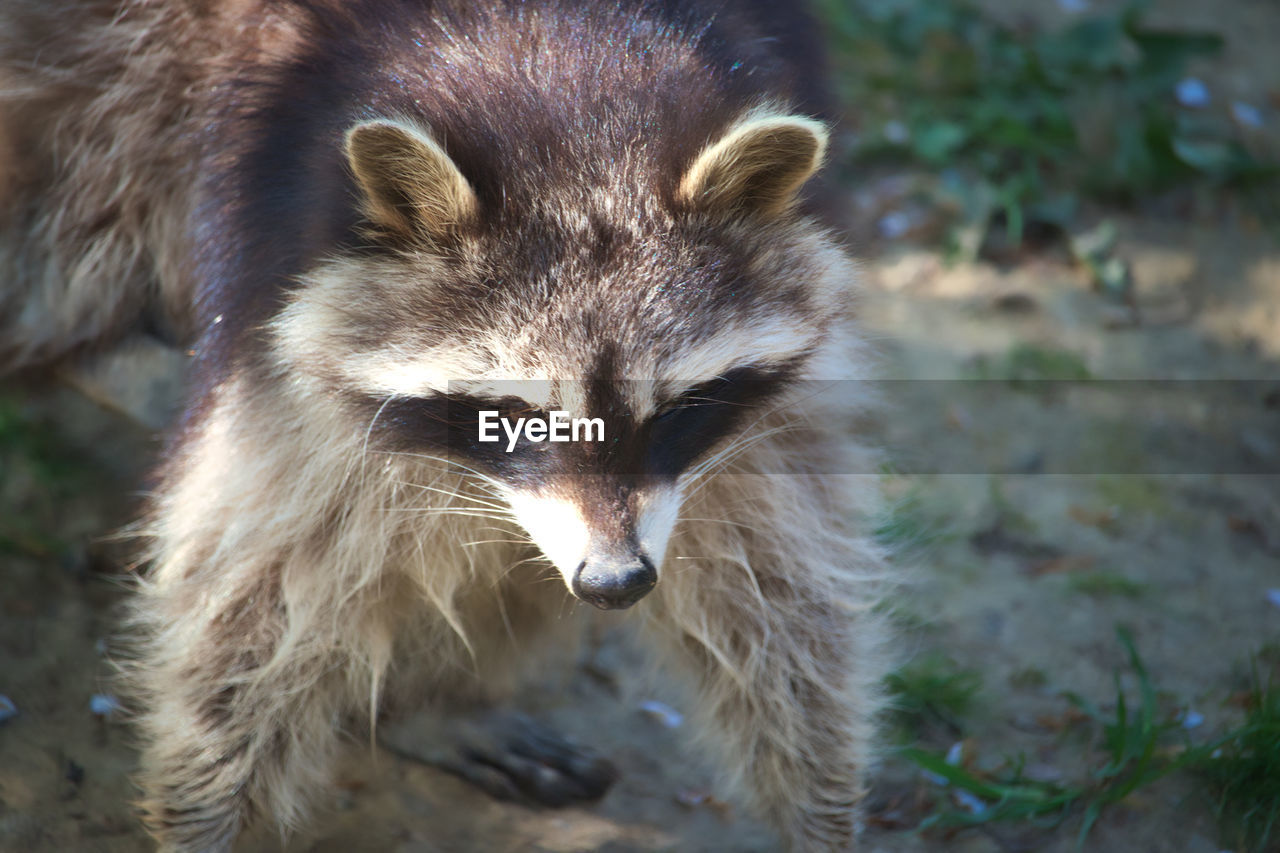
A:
{"points": [[758, 166], [410, 185]]}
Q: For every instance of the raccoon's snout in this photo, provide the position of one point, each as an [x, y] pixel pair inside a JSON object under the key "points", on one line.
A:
{"points": [[614, 586]]}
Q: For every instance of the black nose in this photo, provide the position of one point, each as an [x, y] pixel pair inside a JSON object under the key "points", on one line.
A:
{"points": [[614, 586]]}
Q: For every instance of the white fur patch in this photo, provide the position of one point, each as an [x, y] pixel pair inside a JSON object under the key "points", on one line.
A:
{"points": [[657, 512], [382, 373], [556, 526], [760, 344], [539, 393]]}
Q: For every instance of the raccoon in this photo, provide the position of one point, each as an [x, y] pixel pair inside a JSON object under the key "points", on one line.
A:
{"points": [[376, 222]]}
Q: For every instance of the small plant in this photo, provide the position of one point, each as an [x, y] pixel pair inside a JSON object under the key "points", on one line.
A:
{"points": [[35, 473], [1268, 655], [1025, 123], [932, 688], [908, 526], [1027, 363], [1243, 766], [904, 618], [1105, 585], [1243, 773], [33, 446], [1006, 795], [1132, 741], [1008, 512], [42, 474]]}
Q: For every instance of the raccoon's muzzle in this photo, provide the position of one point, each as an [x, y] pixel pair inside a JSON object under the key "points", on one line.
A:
{"points": [[614, 585]]}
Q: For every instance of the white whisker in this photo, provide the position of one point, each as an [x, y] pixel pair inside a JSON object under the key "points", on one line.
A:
{"points": [[453, 494]]}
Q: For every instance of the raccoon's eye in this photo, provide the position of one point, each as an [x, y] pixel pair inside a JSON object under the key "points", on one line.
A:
{"points": [[514, 409], [702, 395]]}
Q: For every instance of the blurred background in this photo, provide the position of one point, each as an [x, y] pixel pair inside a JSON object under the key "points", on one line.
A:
{"points": [[1068, 213], [1071, 220]]}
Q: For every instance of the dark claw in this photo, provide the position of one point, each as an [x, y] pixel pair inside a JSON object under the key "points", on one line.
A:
{"points": [[591, 774], [510, 756], [489, 779]]}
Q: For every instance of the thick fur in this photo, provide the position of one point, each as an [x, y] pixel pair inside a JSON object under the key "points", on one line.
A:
{"points": [[191, 167]]}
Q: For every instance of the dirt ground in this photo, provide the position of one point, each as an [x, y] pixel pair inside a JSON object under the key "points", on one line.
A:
{"points": [[1018, 495]]}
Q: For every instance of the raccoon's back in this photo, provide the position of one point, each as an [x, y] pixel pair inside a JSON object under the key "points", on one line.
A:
{"points": [[102, 109]]}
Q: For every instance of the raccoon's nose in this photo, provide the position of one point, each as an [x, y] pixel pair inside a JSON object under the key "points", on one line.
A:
{"points": [[614, 586]]}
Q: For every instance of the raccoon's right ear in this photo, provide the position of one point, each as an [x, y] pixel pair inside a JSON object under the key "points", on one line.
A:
{"points": [[410, 185], [758, 166]]}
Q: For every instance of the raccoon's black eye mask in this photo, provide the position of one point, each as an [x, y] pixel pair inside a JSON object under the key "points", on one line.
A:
{"points": [[690, 425], [666, 444], [449, 423]]}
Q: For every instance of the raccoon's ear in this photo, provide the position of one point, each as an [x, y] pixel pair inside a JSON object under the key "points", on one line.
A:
{"points": [[758, 166], [410, 186]]}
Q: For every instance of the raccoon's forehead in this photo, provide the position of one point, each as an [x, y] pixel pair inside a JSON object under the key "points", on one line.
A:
{"points": [[670, 307], [670, 298]]}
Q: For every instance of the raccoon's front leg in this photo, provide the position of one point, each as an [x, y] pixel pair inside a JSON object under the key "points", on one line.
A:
{"points": [[266, 616], [786, 672], [238, 712]]}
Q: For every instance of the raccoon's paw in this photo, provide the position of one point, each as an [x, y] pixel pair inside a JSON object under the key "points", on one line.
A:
{"points": [[508, 755]]}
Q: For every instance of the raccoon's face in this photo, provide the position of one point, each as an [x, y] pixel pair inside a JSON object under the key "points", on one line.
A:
{"points": [[655, 332]]}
